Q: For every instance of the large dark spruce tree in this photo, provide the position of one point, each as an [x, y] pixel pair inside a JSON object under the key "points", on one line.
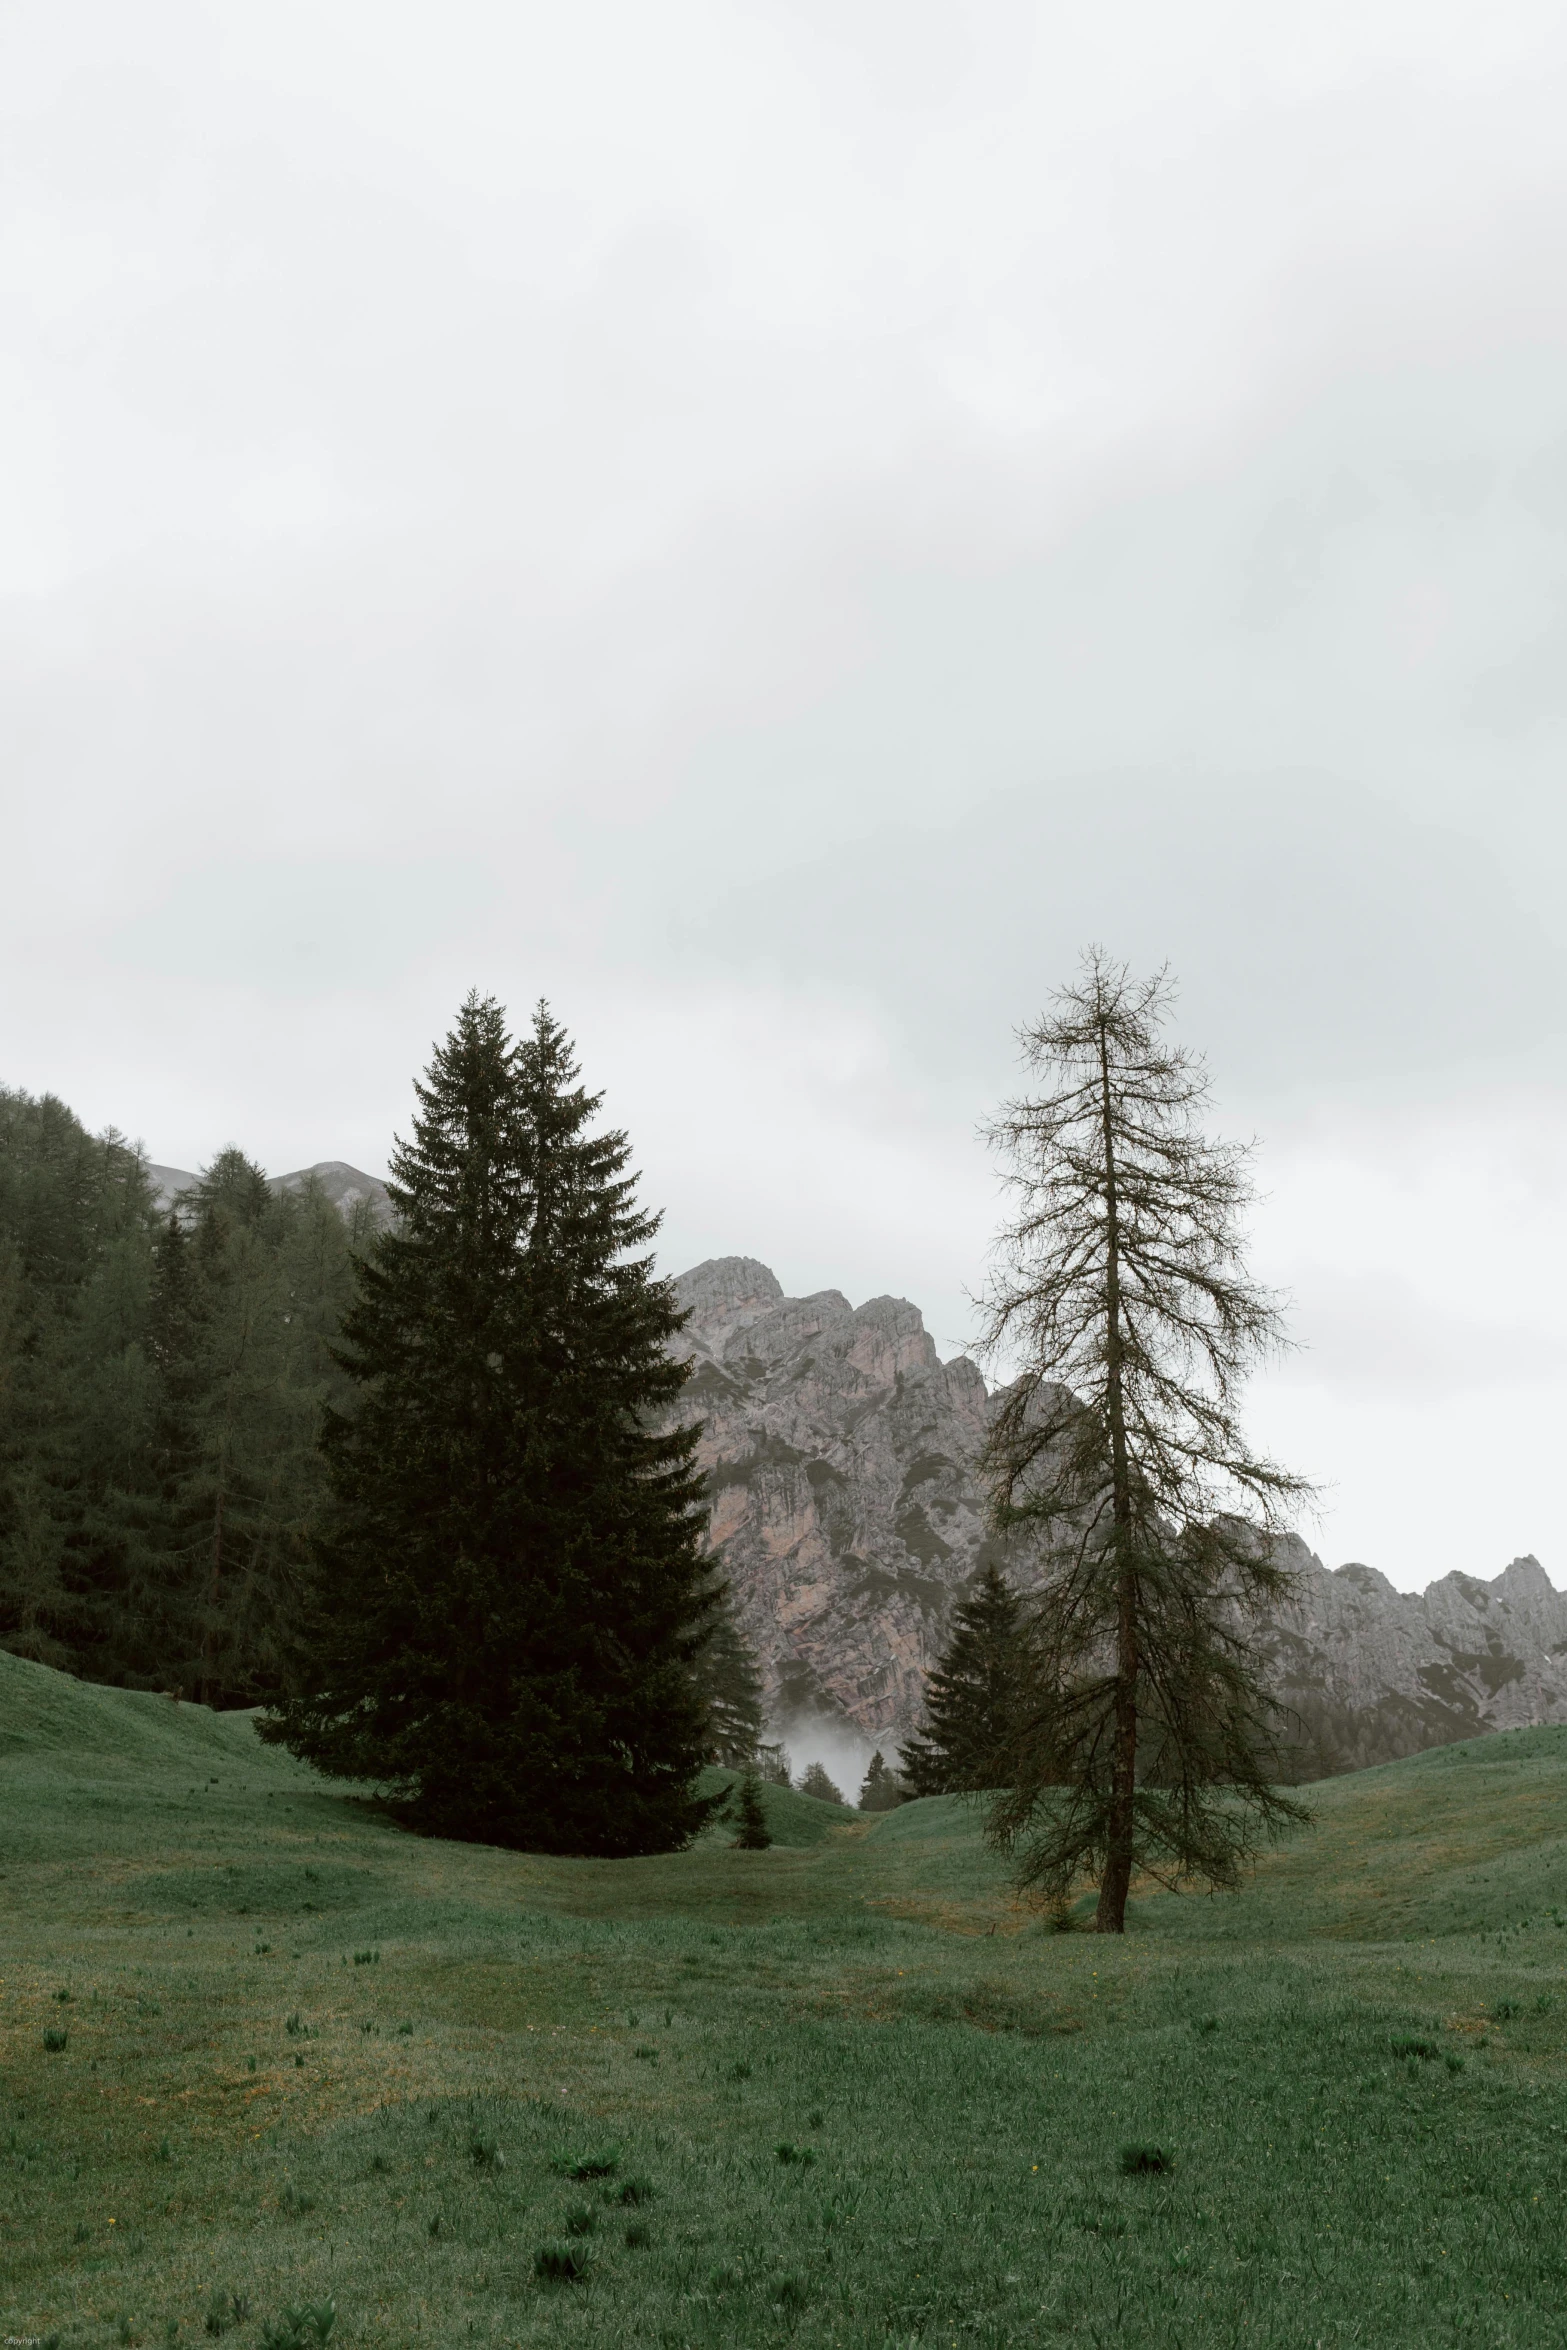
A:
{"points": [[511, 1597], [1121, 1292], [972, 1697]]}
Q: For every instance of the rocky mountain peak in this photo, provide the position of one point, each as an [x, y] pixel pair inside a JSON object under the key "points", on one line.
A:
{"points": [[1524, 1581], [841, 1453], [839, 1448]]}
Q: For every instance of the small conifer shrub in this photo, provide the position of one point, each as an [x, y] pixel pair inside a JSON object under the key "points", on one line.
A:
{"points": [[55, 2040], [750, 1819]]}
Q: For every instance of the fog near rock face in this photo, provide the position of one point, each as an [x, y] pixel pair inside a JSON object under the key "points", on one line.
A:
{"points": [[774, 526]]}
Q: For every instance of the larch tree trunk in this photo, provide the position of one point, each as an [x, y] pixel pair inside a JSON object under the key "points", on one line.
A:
{"points": [[1110, 1915]]}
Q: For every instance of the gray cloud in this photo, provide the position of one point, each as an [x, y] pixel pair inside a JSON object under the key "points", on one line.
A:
{"points": [[774, 526], [1322, 938]]}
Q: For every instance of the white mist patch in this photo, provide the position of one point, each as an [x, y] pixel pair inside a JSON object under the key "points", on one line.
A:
{"points": [[843, 1754]]}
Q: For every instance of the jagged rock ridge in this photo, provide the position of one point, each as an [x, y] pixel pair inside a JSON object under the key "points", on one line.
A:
{"points": [[841, 1453], [838, 1445], [1370, 1673]]}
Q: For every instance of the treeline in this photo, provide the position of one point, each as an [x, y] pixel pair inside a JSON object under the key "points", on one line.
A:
{"points": [[162, 1385], [165, 1382]]}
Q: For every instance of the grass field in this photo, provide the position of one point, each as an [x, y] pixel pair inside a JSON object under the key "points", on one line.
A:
{"points": [[262, 2053]]}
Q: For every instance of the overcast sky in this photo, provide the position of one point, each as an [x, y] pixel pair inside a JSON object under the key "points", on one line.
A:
{"points": [[773, 525]]}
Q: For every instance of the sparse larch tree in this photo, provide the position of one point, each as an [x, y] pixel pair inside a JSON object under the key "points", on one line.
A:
{"points": [[1143, 1740]]}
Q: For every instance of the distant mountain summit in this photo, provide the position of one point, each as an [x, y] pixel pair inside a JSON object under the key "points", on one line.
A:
{"points": [[344, 1186], [1370, 1673], [840, 1452], [841, 1455]]}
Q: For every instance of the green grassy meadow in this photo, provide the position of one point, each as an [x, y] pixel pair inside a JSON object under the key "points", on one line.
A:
{"points": [[261, 2052]]}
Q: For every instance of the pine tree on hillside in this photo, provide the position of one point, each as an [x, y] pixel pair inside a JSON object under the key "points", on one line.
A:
{"points": [[161, 1386], [751, 1820], [731, 1688], [881, 1791], [971, 1697], [507, 1609], [250, 1287], [814, 1781], [77, 1230]]}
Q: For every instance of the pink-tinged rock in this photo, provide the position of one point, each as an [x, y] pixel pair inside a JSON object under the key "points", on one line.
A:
{"points": [[850, 1518]]}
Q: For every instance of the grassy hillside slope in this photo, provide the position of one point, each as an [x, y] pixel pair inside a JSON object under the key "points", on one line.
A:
{"points": [[837, 2092]]}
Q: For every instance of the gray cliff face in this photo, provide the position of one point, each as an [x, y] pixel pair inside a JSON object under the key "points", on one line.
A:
{"points": [[839, 1449], [1370, 1673], [841, 1456]]}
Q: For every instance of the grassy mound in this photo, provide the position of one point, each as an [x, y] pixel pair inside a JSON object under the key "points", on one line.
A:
{"points": [[795, 1820], [1468, 1839], [262, 2053], [80, 1727]]}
